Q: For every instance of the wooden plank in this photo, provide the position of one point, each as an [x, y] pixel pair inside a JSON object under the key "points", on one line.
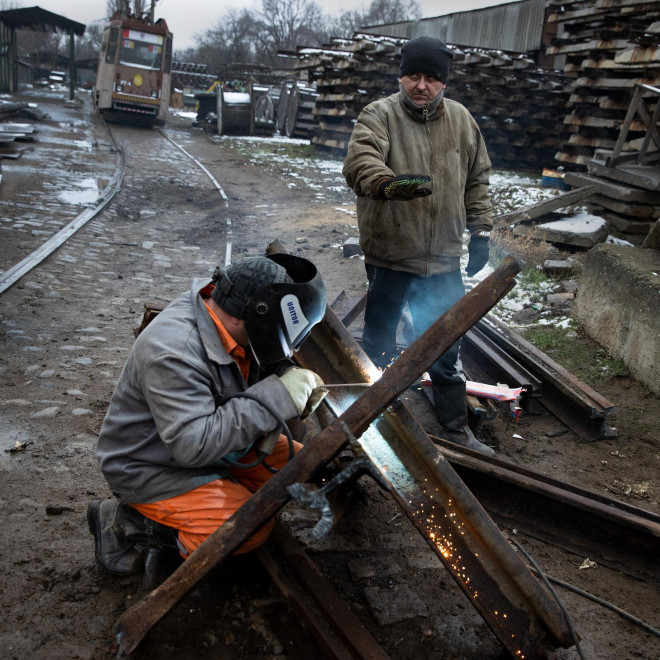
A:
{"points": [[541, 208], [614, 190], [642, 177]]}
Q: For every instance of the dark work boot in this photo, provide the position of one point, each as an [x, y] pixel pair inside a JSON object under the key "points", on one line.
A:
{"points": [[466, 438], [451, 411], [123, 536], [110, 521]]}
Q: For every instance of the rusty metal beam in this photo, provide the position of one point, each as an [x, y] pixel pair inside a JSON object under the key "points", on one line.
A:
{"points": [[588, 524], [572, 401], [272, 496], [422, 481], [508, 597], [326, 614]]}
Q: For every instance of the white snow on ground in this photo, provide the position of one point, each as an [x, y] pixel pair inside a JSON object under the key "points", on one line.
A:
{"points": [[618, 241], [87, 192], [275, 138], [581, 223], [510, 191], [184, 114]]}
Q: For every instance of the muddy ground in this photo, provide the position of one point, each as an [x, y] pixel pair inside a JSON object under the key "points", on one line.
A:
{"points": [[66, 328]]}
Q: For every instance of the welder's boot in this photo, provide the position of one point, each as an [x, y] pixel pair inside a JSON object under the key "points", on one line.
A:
{"points": [[122, 536], [451, 411], [466, 438]]}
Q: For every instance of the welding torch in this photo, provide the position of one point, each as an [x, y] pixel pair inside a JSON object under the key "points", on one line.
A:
{"points": [[319, 393]]}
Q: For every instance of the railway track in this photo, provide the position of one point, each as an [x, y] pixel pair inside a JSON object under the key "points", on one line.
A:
{"points": [[14, 273]]}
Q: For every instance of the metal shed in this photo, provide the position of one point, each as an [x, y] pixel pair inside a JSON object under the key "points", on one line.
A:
{"points": [[514, 26], [38, 20]]}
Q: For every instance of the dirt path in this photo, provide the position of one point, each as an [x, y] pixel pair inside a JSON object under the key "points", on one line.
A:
{"points": [[66, 330]]}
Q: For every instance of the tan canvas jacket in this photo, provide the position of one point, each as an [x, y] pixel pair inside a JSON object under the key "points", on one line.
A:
{"points": [[424, 235]]}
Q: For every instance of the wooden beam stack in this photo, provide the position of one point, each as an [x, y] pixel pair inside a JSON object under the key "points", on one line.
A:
{"points": [[609, 45], [517, 105]]}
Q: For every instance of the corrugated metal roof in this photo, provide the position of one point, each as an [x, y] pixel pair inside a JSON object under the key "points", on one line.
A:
{"points": [[514, 26], [38, 19]]}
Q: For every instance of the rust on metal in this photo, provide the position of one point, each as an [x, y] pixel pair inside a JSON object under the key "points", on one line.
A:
{"points": [[272, 496], [499, 586], [326, 614], [561, 514]]}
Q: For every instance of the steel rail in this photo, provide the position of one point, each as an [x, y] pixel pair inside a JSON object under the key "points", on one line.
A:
{"points": [[521, 614], [561, 514], [499, 365], [446, 514], [435, 499], [330, 620], [13, 274], [564, 394], [491, 351], [16, 272], [214, 181]]}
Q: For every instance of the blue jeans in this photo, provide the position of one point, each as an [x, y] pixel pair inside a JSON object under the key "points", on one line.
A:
{"points": [[428, 298]]}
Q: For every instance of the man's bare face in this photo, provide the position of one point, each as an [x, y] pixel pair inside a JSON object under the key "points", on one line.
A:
{"points": [[421, 87]]}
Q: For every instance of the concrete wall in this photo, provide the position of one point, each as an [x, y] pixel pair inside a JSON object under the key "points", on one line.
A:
{"points": [[618, 305]]}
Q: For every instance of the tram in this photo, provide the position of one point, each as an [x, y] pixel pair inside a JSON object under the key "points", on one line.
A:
{"points": [[134, 72]]}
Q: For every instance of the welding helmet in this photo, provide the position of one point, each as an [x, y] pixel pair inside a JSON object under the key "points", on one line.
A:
{"points": [[280, 297]]}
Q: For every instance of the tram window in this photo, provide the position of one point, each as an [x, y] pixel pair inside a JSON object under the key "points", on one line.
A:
{"points": [[140, 49], [113, 37]]}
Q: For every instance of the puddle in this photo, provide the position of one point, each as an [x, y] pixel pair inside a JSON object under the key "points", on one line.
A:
{"points": [[88, 193], [8, 439]]}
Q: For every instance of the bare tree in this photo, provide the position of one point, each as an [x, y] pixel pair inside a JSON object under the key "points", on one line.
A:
{"points": [[378, 12], [281, 25], [391, 11], [287, 23], [137, 8], [235, 38], [89, 45]]}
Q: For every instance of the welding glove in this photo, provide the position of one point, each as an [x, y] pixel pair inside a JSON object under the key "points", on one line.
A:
{"points": [[403, 187], [303, 387], [478, 250]]}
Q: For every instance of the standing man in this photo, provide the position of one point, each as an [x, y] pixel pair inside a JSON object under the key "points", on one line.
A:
{"points": [[205, 383], [412, 236]]}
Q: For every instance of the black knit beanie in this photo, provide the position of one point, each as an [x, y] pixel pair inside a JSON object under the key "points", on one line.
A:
{"points": [[426, 55]]}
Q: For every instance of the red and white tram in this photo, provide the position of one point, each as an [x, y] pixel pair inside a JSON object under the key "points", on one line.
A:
{"points": [[134, 73]]}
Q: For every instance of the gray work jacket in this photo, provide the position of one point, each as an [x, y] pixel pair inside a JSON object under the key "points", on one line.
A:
{"points": [[423, 236], [167, 428]]}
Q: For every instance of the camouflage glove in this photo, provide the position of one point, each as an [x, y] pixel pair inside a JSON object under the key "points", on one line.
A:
{"points": [[478, 251], [403, 187]]}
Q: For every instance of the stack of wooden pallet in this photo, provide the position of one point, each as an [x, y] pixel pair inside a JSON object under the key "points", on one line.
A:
{"points": [[515, 103], [609, 45]]}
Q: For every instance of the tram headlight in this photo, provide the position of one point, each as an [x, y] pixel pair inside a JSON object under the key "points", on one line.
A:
{"points": [[119, 88], [154, 93]]}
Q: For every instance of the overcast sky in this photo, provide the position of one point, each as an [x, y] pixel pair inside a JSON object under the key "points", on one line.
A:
{"points": [[186, 18]]}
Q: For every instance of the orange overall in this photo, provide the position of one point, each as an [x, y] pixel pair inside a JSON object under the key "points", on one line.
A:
{"points": [[199, 512]]}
